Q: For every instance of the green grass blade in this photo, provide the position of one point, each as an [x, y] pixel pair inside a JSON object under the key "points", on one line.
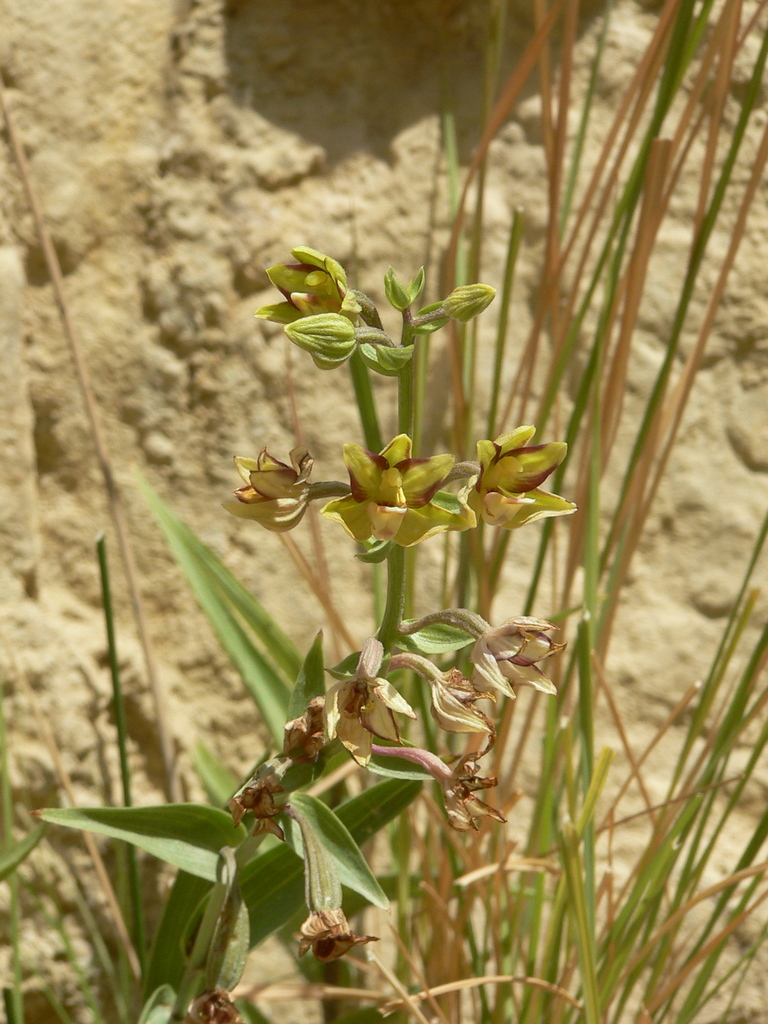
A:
{"points": [[135, 911]]}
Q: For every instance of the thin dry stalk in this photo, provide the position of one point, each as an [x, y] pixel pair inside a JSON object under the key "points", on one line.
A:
{"points": [[671, 718], [114, 499], [318, 589], [634, 765]]}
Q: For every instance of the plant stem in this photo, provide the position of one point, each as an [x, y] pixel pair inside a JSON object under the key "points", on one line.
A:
{"points": [[393, 610]]}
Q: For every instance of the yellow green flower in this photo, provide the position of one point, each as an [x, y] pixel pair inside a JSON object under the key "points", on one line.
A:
{"points": [[393, 496], [274, 494], [316, 283], [507, 492]]}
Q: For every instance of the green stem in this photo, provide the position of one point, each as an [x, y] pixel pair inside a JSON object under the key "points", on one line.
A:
{"points": [[405, 383], [393, 611], [137, 910]]}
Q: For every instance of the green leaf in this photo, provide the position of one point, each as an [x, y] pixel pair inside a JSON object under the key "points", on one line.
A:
{"points": [[167, 958], [11, 859], [251, 1015], [235, 616], [159, 1006], [435, 639], [384, 359], [310, 682], [186, 835], [218, 782], [377, 552], [416, 287], [346, 667], [272, 884], [353, 868], [397, 768], [395, 290], [448, 502]]}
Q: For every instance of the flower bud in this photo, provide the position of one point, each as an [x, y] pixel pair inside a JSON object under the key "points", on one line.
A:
{"points": [[468, 301], [328, 337], [316, 284], [275, 495]]}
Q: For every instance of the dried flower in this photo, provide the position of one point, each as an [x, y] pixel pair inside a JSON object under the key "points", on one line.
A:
{"points": [[275, 495], [304, 737], [363, 706], [453, 696], [509, 654], [315, 284], [506, 492], [213, 1008], [459, 784], [462, 806], [392, 495], [258, 796], [329, 934]]}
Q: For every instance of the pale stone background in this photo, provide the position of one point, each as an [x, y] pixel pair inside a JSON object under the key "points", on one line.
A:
{"points": [[178, 148]]}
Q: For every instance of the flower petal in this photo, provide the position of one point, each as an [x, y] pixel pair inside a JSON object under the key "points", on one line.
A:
{"points": [[352, 516], [517, 438], [279, 313], [423, 477], [399, 448], [364, 470]]}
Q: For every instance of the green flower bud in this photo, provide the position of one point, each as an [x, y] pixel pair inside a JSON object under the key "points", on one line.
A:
{"points": [[397, 294], [328, 337], [468, 301]]}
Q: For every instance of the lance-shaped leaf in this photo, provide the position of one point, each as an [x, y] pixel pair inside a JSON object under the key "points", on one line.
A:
{"points": [[437, 638], [186, 835], [352, 866], [310, 681], [272, 884]]}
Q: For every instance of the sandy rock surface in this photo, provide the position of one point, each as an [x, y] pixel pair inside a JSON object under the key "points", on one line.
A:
{"points": [[178, 148]]}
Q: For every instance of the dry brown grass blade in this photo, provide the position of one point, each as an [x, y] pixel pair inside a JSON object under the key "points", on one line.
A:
{"points": [[276, 992], [406, 1001], [318, 589], [634, 100], [668, 422], [671, 718], [634, 765], [728, 29], [172, 786], [418, 975], [491, 979], [652, 211]]}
